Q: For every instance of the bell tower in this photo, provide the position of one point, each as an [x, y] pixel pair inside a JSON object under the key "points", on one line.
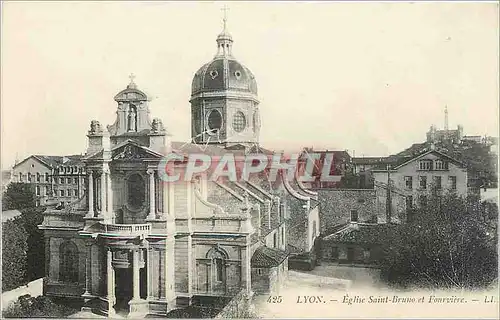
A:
{"points": [[133, 120]]}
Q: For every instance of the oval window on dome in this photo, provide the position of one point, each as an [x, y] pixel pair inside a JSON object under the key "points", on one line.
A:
{"points": [[214, 121], [214, 74], [239, 121], [237, 74]]}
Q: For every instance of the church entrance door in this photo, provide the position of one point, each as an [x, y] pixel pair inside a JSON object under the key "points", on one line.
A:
{"points": [[123, 289]]}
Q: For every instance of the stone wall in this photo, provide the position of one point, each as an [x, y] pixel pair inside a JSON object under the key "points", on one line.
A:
{"points": [[238, 307], [336, 205], [260, 280], [181, 265]]}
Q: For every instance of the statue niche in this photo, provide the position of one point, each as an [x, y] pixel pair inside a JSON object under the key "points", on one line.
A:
{"points": [[136, 191], [132, 119]]}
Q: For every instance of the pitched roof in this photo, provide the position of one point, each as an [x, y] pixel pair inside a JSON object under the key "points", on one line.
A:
{"points": [[369, 160], [360, 233], [55, 161], [265, 257]]}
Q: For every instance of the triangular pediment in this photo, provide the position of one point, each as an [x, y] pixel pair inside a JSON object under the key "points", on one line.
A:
{"points": [[133, 151]]}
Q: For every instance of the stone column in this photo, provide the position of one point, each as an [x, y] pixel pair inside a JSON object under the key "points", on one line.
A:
{"points": [[135, 279], [88, 270], [90, 192], [111, 283], [102, 190], [149, 272], [110, 198], [152, 204]]}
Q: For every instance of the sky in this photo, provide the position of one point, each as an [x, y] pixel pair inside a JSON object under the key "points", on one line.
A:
{"points": [[369, 78]]}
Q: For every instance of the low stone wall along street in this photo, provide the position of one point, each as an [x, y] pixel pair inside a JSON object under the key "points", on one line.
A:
{"points": [[34, 289], [238, 307]]}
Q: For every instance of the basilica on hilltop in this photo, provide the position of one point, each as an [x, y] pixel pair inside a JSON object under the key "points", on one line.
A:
{"points": [[135, 245]]}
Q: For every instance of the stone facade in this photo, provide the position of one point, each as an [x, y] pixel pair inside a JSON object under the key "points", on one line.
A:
{"points": [[136, 244]]}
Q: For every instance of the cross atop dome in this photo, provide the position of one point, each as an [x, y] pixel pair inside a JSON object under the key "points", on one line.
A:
{"points": [[132, 84], [224, 39], [224, 19]]}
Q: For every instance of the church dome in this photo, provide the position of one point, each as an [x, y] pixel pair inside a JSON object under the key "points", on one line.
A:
{"points": [[224, 74]]}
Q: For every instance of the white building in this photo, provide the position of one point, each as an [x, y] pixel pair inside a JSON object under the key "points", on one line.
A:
{"points": [[419, 174]]}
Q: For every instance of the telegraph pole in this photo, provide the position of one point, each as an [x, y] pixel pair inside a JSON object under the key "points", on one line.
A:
{"points": [[389, 200]]}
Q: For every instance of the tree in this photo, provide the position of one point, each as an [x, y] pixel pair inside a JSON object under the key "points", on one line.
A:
{"points": [[449, 243], [30, 218], [18, 196], [15, 247], [39, 307]]}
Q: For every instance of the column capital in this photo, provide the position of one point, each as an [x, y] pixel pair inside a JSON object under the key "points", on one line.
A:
{"points": [[150, 171]]}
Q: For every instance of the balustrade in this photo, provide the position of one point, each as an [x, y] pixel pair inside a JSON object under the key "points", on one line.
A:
{"points": [[128, 229]]}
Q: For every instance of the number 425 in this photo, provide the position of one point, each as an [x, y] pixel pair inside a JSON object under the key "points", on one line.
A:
{"points": [[274, 299]]}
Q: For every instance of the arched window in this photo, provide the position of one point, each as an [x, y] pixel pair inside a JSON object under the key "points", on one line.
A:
{"points": [[218, 259], [214, 122], [68, 262]]}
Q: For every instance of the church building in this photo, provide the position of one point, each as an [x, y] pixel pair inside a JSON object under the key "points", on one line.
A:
{"points": [[133, 244]]}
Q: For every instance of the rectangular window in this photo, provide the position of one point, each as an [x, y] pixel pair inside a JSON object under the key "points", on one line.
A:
{"points": [[38, 177], [422, 182], [440, 165], [61, 192], [46, 177], [47, 191], [366, 254], [69, 180], [61, 180], [350, 254], [354, 215], [335, 253], [453, 182], [37, 190], [275, 240], [437, 182], [425, 165], [218, 266], [75, 192], [423, 201], [409, 182], [409, 202], [75, 180], [29, 177], [20, 177]]}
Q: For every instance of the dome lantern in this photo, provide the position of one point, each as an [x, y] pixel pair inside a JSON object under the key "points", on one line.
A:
{"points": [[224, 39]]}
